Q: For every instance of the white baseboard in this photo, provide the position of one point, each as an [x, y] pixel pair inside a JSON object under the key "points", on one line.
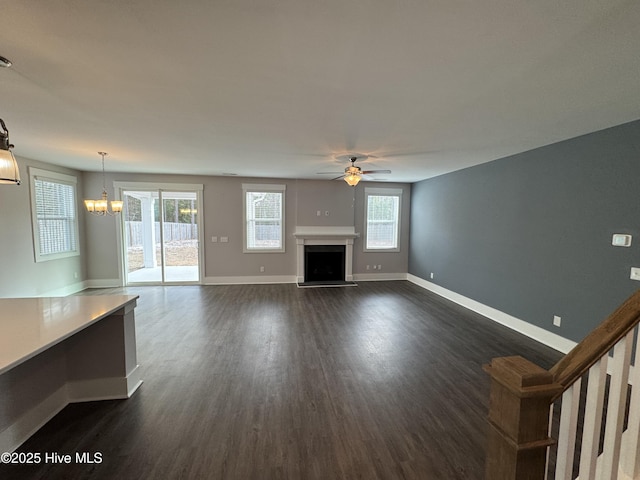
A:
{"points": [[64, 291], [117, 388], [134, 380], [114, 388], [363, 277], [250, 280], [104, 283], [539, 334], [97, 389], [378, 277], [29, 423]]}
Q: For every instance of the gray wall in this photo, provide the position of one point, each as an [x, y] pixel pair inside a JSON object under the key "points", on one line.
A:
{"points": [[530, 234], [222, 198], [20, 275]]}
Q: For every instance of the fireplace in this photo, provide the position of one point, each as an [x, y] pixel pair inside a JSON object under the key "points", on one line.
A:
{"points": [[324, 263], [328, 251]]}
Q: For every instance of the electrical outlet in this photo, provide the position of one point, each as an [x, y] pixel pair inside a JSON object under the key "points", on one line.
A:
{"points": [[261, 269], [214, 239], [557, 320], [379, 267], [431, 275], [368, 267], [318, 213]]}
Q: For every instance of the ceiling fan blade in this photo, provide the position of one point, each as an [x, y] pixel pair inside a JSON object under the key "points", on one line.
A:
{"points": [[329, 173], [338, 178], [376, 171]]}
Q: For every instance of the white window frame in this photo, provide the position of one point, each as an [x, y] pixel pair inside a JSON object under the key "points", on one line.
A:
{"points": [[60, 178], [266, 188], [386, 192]]}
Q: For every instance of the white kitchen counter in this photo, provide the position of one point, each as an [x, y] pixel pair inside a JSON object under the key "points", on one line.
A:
{"points": [[29, 326], [55, 351]]}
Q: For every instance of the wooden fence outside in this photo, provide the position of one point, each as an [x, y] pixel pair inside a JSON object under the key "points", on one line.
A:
{"points": [[172, 232]]}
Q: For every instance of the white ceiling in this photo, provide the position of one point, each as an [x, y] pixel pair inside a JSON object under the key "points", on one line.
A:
{"points": [[280, 88]]}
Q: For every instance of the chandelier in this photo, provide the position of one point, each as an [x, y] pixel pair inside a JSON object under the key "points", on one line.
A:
{"points": [[9, 171], [101, 206]]}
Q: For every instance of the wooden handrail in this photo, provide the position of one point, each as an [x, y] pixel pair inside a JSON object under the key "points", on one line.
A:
{"points": [[598, 343], [522, 392]]}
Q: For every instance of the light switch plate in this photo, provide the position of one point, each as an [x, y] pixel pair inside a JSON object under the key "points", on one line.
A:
{"points": [[635, 273], [621, 240]]}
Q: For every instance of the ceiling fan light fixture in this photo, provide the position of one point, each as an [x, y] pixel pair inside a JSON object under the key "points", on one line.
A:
{"points": [[352, 179], [352, 173]]}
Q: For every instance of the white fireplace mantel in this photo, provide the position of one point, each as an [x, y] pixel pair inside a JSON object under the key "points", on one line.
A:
{"points": [[315, 235]]}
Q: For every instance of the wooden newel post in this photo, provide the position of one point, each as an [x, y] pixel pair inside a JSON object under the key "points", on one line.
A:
{"points": [[521, 394]]}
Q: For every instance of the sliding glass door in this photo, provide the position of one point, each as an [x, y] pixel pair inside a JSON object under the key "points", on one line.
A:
{"points": [[180, 237], [161, 236]]}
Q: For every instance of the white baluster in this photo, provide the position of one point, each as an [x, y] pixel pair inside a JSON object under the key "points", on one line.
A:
{"points": [[616, 407], [567, 433], [593, 419], [630, 457]]}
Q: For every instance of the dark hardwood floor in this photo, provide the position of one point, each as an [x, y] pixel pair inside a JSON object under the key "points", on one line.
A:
{"points": [[379, 381]]}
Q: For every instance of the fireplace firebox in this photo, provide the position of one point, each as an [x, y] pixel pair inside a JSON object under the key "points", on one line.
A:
{"points": [[324, 263]]}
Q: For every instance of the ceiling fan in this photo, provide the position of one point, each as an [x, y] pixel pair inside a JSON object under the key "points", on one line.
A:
{"points": [[353, 174]]}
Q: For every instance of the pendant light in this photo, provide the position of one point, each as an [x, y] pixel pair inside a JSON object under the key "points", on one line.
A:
{"points": [[9, 171], [101, 206]]}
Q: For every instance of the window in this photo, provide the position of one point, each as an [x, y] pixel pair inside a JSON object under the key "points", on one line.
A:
{"points": [[264, 218], [53, 212], [382, 229]]}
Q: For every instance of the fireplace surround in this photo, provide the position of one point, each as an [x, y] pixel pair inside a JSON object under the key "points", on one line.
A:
{"points": [[321, 243]]}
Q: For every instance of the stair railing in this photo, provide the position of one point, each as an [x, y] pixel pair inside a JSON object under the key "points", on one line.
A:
{"points": [[524, 397]]}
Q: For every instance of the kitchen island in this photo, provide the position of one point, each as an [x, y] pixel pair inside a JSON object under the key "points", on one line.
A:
{"points": [[61, 350]]}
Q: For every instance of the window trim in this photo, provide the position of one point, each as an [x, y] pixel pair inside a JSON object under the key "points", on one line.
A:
{"points": [[54, 177], [382, 192], [270, 188]]}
